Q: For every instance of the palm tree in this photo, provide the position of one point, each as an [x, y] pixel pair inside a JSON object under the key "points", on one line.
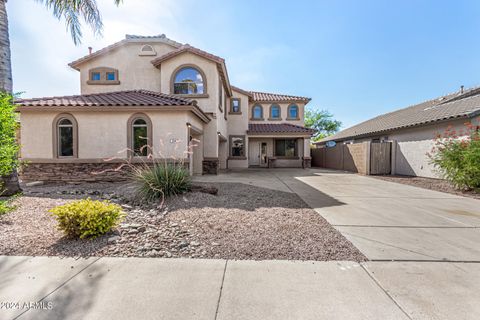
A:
{"points": [[73, 11]]}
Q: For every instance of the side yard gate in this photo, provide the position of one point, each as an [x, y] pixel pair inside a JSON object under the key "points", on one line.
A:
{"points": [[366, 158]]}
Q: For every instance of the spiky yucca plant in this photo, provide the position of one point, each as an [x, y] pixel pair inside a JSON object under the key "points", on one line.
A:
{"points": [[161, 179]]}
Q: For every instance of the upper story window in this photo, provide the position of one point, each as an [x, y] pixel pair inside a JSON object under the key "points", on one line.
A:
{"points": [[235, 105], [293, 112], [103, 75], [111, 76], [188, 80], [275, 112], [65, 136], [95, 76], [257, 112]]}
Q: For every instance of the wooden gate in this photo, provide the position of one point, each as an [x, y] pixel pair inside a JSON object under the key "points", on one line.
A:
{"points": [[365, 157], [380, 157]]}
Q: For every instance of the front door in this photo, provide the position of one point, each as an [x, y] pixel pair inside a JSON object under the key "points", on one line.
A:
{"points": [[254, 153], [263, 154]]}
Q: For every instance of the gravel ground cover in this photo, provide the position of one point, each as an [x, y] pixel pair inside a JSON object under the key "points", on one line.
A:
{"points": [[429, 183], [240, 222]]}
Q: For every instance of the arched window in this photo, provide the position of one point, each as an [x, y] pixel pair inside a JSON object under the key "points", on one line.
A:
{"points": [[293, 112], [188, 80], [139, 135], [275, 111], [257, 112], [65, 136]]}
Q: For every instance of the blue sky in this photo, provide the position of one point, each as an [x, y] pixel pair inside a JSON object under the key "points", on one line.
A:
{"points": [[356, 59]]}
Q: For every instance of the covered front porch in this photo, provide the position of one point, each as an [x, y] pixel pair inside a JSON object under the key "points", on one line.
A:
{"points": [[279, 146]]}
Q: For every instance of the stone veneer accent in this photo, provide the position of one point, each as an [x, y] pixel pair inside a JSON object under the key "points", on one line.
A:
{"points": [[307, 162], [73, 172], [210, 165], [76, 172]]}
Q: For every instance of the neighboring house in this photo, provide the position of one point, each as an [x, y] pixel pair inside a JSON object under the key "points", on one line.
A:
{"points": [[155, 92], [412, 130]]}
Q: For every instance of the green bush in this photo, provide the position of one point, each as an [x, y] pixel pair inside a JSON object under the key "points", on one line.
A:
{"points": [[87, 218], [161, 180], [8, 130], [5, 207], [458, 159]]}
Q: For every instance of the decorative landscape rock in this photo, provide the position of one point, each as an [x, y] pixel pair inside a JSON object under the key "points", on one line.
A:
{"points": [[240, 222]]}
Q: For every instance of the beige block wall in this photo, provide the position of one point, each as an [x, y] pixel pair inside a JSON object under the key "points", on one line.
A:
{"points": [[413, 145], [134, 71], [104, 134]]}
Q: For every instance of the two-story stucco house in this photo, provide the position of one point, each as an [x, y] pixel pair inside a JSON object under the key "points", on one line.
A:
{"points": [[152, 96]]}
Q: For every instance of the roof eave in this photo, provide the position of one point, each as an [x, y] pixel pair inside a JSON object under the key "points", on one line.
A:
{"points": [[74, 64], [375, 133], [157, 62]]}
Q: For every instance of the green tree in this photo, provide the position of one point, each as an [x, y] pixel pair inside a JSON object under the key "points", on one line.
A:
{"points": [[73, 12], [8, 146], [322, 121]]}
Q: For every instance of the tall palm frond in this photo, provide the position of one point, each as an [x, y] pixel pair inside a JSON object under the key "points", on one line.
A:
{"points": [[73, 11]]}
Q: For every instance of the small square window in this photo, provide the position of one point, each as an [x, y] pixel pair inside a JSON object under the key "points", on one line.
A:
{"points": [[111, 76], [96, 76]]}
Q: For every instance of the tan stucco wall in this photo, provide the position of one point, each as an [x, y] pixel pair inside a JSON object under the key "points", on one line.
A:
{"points": [[209, 68], [104, 134], [412, 147], [238, 125], [134, 71], [36, 132], [207, 104]]}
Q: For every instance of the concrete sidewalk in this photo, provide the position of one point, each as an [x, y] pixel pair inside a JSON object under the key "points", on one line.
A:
{"points": [[135, 288]]}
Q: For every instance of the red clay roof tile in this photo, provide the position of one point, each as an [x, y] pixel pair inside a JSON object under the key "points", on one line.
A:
{"points": [[117, 98], [264, 128]]}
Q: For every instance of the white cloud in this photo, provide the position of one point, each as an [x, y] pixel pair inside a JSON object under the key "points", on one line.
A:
{"points": [[42, 47]]}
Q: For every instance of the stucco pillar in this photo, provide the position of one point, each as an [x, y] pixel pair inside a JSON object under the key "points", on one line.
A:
{"points": [[368, 153], [393, 163]]}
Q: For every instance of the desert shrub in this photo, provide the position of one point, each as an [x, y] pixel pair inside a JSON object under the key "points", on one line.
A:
{"points": [[161, 179], [5, 207], [87, 218], [457, 157]]}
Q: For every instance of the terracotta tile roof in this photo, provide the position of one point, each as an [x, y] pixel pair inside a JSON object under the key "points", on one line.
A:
{"points": [[452, 106], [117, 98], [274, 97], [272, 128], [247, 93], [128, 38], [222, 69], [187, 48]]}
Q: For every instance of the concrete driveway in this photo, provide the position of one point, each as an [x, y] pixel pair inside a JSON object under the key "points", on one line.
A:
{"points": [[385, 220]]}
